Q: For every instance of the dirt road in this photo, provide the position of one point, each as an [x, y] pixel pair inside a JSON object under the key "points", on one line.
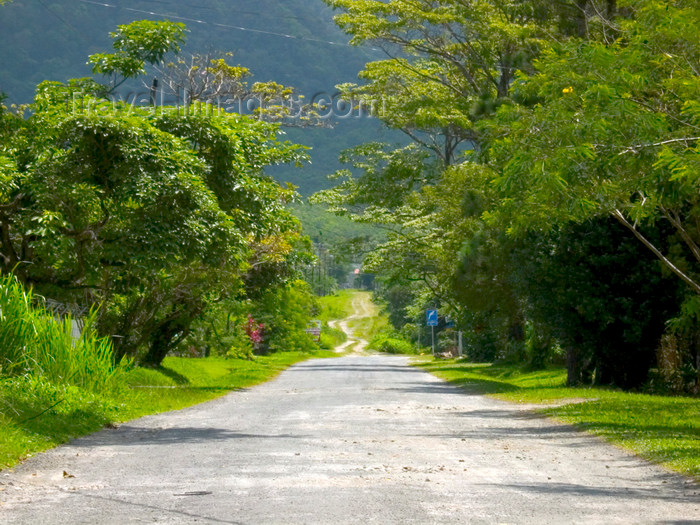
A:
{"points": [[352, 440], [362, 307]]}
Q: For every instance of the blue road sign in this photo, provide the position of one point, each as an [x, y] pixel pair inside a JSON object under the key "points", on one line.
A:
{"points": [[431, 317]]}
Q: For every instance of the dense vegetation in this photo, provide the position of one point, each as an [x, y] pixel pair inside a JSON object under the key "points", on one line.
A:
{"points": [[162, 219], [55, 386], [548, 201]]}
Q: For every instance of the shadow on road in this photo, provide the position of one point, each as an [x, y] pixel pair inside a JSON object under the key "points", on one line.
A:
{"points": [[622, 493], [164, 510], [127, 435]]}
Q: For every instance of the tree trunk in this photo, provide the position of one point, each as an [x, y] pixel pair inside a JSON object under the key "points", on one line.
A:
{"points": [[581, 18], [610, 8], [164, 340], [573, 366]]}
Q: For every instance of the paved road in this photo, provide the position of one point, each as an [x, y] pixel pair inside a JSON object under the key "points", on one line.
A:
{"points": [[358, 439]]}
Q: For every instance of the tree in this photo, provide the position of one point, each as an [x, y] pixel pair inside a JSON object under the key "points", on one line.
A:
{"points": [[209, 79], [137, 44], [450, 63], [573, 109], [153, 217], [613, 132], [601, 294]]}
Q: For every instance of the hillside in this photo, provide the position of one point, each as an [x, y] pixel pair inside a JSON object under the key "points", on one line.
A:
{"points": [[294, 42]]}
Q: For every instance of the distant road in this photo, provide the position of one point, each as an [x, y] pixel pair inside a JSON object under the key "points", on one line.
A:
{"points": [[362, 307], [352, 440]]}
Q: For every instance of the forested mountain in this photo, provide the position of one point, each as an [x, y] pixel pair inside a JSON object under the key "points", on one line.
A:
{"points": [[293, 42]]}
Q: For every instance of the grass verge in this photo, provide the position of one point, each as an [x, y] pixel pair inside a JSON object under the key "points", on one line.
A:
{"points": [[665, 430], [36, 415]]}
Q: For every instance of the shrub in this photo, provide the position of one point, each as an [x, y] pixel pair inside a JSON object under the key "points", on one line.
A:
{"points": [[391, 344]]}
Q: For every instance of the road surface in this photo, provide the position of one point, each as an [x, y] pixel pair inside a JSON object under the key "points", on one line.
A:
{"points": [[350, 440]]}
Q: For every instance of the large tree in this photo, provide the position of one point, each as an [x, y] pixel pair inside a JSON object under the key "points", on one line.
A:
{"points": [[610, 129], [449, 63], [151, 215], [572, 110]]}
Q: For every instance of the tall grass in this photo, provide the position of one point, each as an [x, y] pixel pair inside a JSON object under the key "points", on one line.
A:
{"points": [[33, 342]]}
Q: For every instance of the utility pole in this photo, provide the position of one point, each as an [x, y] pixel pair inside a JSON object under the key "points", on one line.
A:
{"points": [[154, 93]]}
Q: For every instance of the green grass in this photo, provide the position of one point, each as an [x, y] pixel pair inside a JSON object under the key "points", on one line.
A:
{"points": [[332, 337], [336, 306], [340, 306], [33, 342], [36, 415], [193, 381], [665, 430], [392, 344]]}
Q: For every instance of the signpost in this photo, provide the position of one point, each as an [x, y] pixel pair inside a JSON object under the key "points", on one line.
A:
{"points": [[431, 317]]}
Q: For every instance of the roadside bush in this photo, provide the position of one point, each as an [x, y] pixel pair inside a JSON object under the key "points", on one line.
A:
{"points": [[391, 344], [285, 313]]}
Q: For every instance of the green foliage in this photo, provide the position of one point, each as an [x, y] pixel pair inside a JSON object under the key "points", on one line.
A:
{"points": [[602, 295], [51, 42], [344, 236], [137, 44], [557, 114], [396, 299], [613, 131], [53, 386], [153, 216], [285, 314], [331, 337], [449, 61], [280, 314]]}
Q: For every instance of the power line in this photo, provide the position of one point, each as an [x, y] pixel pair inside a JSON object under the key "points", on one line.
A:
{"points": [[65, 22], [217, 24], [237, 11]]}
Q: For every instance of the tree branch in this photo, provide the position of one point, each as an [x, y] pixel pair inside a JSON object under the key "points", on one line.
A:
{"points": [[634, 149], [675, 220], [688, 280]]}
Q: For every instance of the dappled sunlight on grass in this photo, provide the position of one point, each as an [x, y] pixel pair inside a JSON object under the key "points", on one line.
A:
{"points": [[495, 379]]}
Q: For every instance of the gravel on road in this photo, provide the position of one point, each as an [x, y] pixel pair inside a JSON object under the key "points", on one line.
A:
{"points": [[350, 440]]}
